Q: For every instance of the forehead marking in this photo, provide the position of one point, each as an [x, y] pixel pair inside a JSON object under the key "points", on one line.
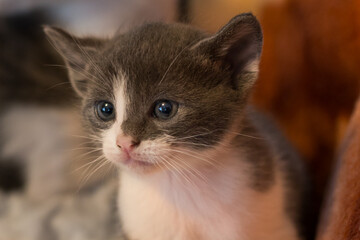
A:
{"points": [[121, 101]]}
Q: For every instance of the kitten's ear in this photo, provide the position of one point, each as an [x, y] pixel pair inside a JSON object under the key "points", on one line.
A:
{"points": [[237, 46], [76, 53]]}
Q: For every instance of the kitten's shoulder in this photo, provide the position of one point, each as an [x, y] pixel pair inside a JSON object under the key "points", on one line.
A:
{"points": [[287, 161], [267, 136]]}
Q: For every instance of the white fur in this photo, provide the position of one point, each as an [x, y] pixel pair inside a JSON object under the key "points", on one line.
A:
{"points": [[204, 195], [145, 151], [109, 136], [162, 207]]}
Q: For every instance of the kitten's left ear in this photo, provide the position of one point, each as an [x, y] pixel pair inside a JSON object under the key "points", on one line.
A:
{"points": [[237, 46], [77, 54]]}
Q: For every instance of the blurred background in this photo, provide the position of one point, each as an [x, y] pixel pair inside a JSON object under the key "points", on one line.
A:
{"points": [[53, 185]]}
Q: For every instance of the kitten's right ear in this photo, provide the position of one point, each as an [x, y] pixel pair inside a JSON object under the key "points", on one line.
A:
{"points": [[76, 53], [237, 47]]}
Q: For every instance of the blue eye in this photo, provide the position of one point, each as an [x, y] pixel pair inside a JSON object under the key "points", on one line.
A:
{"points": [[105, 111], [165, 109]]}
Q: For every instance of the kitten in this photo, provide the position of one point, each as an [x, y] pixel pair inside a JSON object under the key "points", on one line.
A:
{"points": [[170, 105]]}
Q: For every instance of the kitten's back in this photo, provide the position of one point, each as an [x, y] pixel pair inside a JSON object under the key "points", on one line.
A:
{"points": [[298, 189]]}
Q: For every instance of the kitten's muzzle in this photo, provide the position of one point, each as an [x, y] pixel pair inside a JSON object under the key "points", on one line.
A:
{"points": [[126, 143]]}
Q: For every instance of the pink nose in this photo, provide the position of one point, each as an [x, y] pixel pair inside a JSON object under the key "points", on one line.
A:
{"points": [[126, 143]]}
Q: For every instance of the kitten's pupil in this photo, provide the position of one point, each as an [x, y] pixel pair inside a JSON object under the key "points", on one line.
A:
{"points": [[105, 111], [163, 109]]}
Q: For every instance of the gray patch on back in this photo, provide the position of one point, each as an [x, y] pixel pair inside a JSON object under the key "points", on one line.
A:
{"points": [[298, 194]]}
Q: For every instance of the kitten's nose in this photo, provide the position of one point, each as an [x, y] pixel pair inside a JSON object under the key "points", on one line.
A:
{"points": [[126, 143]]}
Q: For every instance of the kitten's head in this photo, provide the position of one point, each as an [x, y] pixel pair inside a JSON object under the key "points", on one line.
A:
{"points": [[160, 94]]}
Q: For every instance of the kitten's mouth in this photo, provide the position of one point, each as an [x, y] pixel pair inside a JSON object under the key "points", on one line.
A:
{"points": [[131, 162]]}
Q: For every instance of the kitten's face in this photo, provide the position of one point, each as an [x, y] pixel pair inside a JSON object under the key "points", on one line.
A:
{"points": [[164, 96]]}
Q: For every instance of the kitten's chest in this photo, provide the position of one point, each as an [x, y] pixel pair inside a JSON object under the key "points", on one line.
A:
{"points": [[187, 212]]}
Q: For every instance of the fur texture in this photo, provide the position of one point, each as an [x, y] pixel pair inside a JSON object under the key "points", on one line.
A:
{"points": [[211, 159]]}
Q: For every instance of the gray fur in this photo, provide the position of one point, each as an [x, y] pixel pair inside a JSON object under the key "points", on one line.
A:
{"points": [[286, 158], [207, 75], [208, 84]]}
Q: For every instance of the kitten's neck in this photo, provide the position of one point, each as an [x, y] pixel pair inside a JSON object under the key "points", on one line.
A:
{"points": [[244, 184], [184, 186]]}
